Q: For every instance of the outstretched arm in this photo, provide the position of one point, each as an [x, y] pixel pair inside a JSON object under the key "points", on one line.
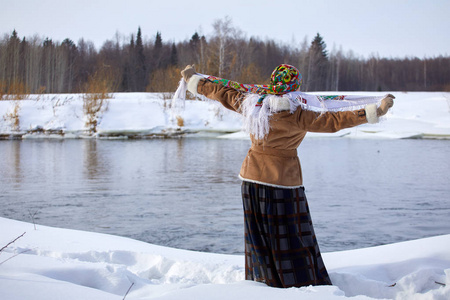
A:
{"points": [[196, 84], [335, 121]]}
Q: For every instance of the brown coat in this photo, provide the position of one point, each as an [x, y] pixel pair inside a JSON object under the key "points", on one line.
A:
{"points": [[273, 160]]}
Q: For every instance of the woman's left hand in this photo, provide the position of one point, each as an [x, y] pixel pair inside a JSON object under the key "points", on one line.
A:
{"points": [[386, 103]]}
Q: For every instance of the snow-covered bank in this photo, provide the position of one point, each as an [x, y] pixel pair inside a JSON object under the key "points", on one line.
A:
{"points": [[147, 115], [58, 263]]}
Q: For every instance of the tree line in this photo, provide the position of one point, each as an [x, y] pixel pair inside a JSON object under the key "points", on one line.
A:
{"points": [[37, 65]]}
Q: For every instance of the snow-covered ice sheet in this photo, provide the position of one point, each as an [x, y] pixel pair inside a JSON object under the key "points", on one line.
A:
{"points": [[414, 115]]}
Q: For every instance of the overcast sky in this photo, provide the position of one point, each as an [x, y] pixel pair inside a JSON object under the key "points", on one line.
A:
{"points": [[389, 28]]}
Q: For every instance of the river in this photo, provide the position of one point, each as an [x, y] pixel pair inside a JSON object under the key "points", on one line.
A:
{"points": [[185, 193]]}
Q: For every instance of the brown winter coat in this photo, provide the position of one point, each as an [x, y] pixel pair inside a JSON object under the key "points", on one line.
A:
{"points": [[273, 160]]}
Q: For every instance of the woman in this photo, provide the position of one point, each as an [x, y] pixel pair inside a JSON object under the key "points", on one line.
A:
{"points": [[280, 245]]}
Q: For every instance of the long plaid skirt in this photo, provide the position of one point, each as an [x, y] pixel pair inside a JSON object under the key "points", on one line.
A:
{"points": [[280, 245]]}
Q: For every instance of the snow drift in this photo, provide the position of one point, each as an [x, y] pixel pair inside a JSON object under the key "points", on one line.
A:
{"points": [[53, 263]]}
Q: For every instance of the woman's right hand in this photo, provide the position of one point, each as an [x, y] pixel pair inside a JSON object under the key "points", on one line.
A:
{"points": [[188, 72]]}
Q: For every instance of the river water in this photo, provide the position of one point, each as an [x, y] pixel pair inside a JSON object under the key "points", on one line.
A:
{"points": [[185, 193]]}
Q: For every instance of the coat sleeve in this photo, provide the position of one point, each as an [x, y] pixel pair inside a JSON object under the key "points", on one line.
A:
{"points": [[331, 121], [228, 97]]}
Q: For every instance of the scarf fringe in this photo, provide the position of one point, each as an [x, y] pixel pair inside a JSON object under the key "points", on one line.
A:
{"points": [[257, 117], [177, 104]]}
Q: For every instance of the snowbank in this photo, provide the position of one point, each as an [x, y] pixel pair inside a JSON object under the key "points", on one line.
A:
{"points": [[59, 263], [147, 115]]}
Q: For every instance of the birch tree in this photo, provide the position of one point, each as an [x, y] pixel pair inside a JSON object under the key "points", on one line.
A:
{"points": [[220, 56]]}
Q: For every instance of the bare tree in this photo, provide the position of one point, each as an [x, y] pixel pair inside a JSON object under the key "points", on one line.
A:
{"points": [[220, 46]]}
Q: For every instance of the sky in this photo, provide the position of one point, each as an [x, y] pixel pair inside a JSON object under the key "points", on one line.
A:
{"points": [[387, 28]]}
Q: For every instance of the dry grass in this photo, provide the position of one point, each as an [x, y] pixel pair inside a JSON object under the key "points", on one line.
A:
{"points": [[95, 100], [180, 121], [13, 116], [164, 80], [15, 90]]}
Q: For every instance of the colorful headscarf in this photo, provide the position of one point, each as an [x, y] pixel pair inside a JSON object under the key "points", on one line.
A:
{"points": [[284, 79]]}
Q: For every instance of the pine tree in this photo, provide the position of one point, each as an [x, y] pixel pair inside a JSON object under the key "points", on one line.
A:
{"points": [[158, 40], [140, 67], [157, 52], [318, 45], [13, 59], [195, 39], [174, 55], [317, 65], [72, 52], [48, 65], [197, 45]]}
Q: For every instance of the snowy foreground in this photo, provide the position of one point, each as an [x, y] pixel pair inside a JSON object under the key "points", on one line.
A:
{"points": [[147, 115], [53, 263]]}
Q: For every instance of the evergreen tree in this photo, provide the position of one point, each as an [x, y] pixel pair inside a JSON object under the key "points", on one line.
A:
{"points": [[48, 66], [317, 65], [22, 61], [157, 51], [318, 45], [72, 53], [174, 55], [13, 59], [195, 40], [140, 67], [158, 40], [196, 55]]}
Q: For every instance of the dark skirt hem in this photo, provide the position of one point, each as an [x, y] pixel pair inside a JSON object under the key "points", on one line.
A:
{"points": [[281, 249]]}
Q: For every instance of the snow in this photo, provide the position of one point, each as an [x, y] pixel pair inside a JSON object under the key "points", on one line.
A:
{"points": [[55, 263], [143, 115]]}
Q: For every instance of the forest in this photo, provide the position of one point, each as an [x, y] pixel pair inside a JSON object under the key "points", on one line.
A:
{"points": [[130, 64]]}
